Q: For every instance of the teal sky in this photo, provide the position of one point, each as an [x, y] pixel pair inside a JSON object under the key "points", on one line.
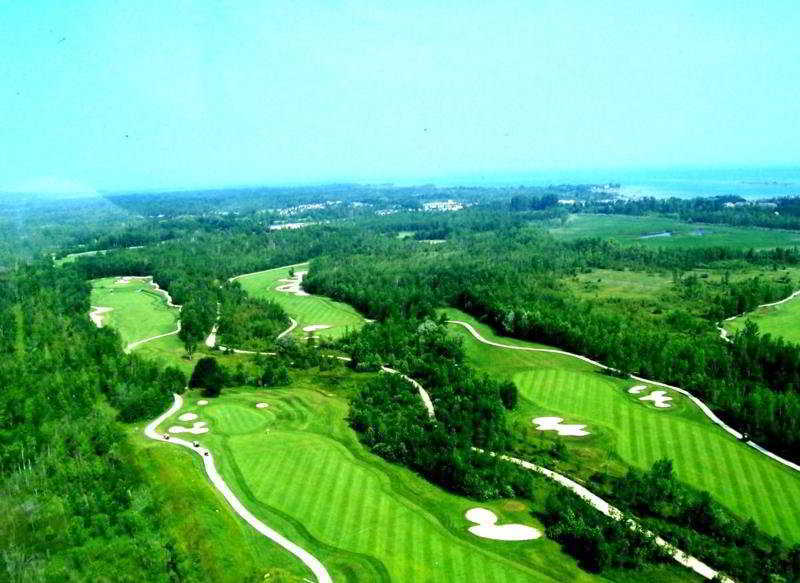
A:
{"points": [[137, 94]]}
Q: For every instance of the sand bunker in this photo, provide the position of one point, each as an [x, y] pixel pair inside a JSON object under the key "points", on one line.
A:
{"points": [[486, 527], [555, 424], [96, 315], [659, 399], [198, 427], [123, 280], [188, 417], [262, 405], [292, 285], [315, 327], [637, 389], [202, 402]]}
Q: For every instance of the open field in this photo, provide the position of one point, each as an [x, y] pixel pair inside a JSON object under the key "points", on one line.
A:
{"points": [[621, 426], [307, 310], [656, 286], [781, 321], [299, 467], [137, 313], [630, 230]]}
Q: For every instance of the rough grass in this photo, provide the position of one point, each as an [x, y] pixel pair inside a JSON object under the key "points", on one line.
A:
{"points": [[137, 313], [629, 230], [780, 321], [300, 468], [307, 310], [704, 456]]}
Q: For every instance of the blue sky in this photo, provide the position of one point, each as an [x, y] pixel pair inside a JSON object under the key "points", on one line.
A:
{"points": [[121, 95]]}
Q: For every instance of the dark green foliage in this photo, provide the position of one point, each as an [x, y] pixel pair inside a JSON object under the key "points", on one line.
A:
{"points": [[209, 376], [698, 525], [275, 374], [391, 419], [71, 506], [509, 395], [597, 541]]}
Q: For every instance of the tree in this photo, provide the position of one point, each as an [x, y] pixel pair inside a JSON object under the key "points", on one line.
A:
{"points": [[208, 375], [509, 395]]}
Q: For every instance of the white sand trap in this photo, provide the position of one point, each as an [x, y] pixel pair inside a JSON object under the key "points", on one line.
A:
{"points": [[315, 327], [555, 424], [637, 389], [198, 427], [96, 315], [292, 284], [659, 399], [123, 280], [202, 402], [187, 417], [262, 405], [486, 527]]}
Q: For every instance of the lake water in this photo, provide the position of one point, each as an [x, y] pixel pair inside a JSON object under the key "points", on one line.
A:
{"points": [[750, 183]]}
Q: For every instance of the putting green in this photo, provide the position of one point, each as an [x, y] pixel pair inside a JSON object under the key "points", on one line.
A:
{"points": [[308, 310], [138, 312], [703, 454], [781, 321], [299, 467]]}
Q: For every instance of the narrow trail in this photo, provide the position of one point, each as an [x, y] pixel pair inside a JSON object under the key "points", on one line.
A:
{"points": [[725, 334], [700, 404], [307, 558], [598, 503], [592, 499]]}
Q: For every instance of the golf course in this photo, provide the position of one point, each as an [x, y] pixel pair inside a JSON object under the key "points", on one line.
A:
{"points": [[291, 459], [136, 311], [638, 433], [314, 314], [781, 320]]}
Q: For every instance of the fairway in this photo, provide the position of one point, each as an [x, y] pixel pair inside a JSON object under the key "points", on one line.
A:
{"points": [[138, 312], [308, 310], [631, 230], [298, 467], [704, 455], [781, 321]]}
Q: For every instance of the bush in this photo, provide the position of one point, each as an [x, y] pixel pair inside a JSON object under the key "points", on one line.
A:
{"points": [[208, 375]]}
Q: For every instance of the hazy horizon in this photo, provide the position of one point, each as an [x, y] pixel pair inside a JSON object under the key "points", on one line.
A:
{"points": [[104, 97]]}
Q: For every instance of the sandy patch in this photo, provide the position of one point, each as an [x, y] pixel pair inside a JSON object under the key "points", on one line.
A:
{"points": [[486, 527], [555, 424], [659, 399], [123, 280], [292, 284], [514, 506], [96, 315], [187, 417], [315, 327], [637, 389], [262, 405], [198, 427], [202, 402]]}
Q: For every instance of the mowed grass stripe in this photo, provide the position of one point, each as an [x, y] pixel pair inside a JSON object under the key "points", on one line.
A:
{"points": [[702, 455], [356, 507]]}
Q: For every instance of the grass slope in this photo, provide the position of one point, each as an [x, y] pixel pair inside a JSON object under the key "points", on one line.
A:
{"points": [[704, 455], [137, 313], [307, 310], [780, 321], [629, 230], [300, 468]]}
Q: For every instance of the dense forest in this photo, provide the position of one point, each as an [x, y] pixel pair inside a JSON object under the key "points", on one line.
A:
{"points": [[71, 507]]}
